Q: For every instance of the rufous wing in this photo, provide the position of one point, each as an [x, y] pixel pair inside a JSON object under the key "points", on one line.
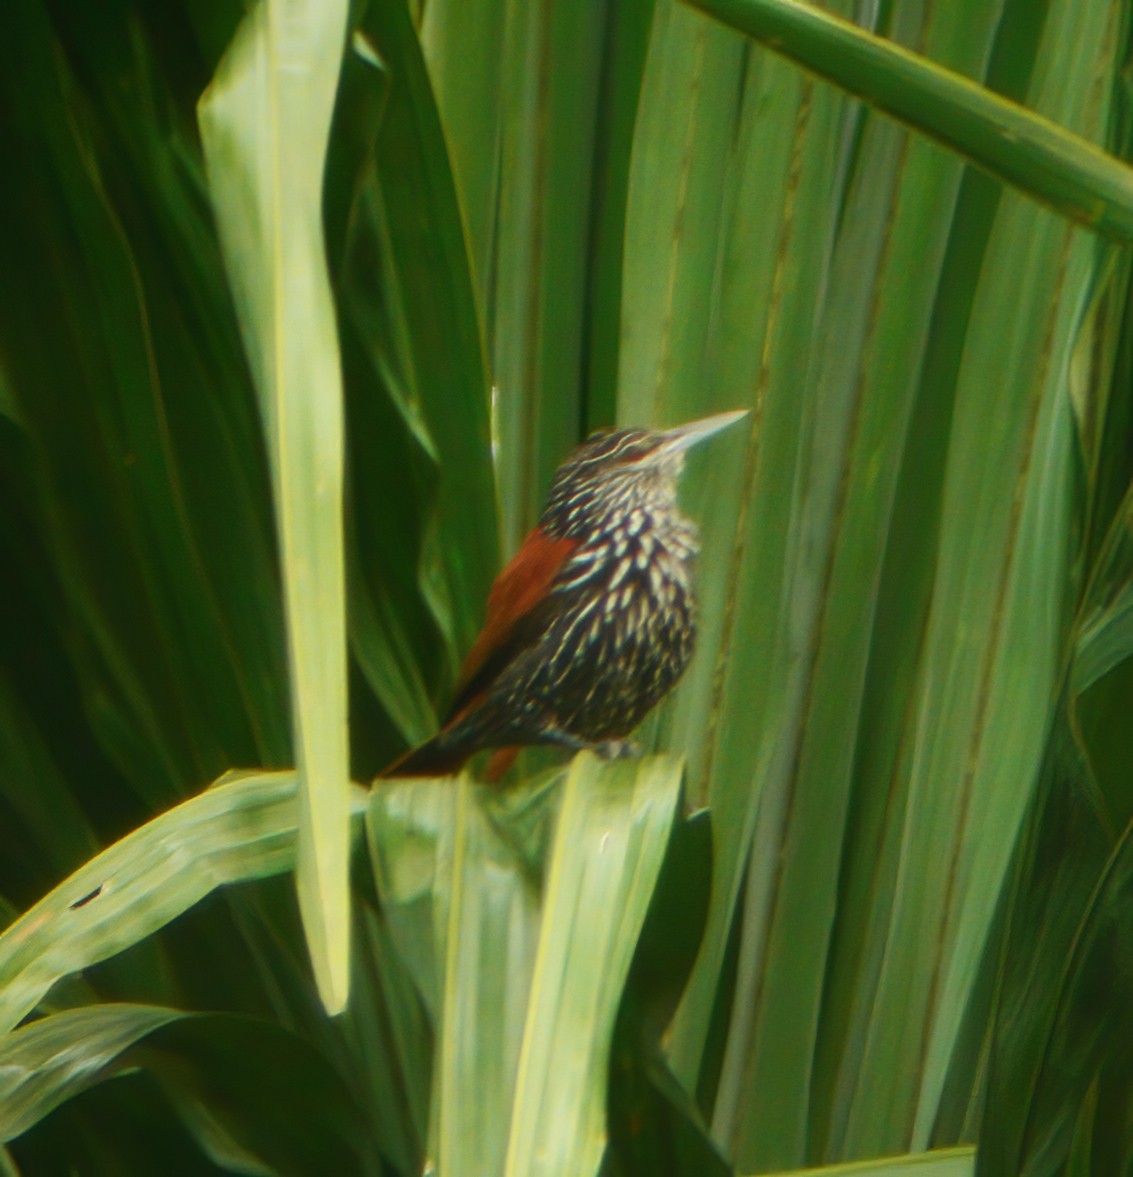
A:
{"points": [[513, 603], [516, 617]]}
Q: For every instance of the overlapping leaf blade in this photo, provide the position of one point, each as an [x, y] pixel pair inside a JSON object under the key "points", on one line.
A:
{"points": [[996, 630], [405, 217], [122, 372], [609, 840], [864, 469], [526, 977]]}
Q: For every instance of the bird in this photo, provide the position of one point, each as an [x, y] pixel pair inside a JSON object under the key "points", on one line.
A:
{"points": [[593, 621]]}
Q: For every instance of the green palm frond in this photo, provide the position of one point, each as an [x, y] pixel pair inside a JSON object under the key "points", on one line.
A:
{"points": [[281, 387]]}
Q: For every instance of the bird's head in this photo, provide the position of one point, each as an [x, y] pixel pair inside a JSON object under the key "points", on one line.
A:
{"points": [[616, 465]]}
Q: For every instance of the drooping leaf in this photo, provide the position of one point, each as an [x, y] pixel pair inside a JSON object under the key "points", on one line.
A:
{"points": [[257, 1097], [242, 828], [46, 1063]]}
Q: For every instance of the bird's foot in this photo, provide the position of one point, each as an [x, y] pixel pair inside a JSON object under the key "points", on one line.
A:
{"points": [[617, 749], [606, 749]]}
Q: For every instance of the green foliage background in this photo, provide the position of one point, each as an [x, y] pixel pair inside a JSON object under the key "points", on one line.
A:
{"points": [[888, 911]]}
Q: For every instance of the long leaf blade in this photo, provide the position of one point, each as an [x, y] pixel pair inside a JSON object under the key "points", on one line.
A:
{"points": [[945, 1162], [265, 121]]}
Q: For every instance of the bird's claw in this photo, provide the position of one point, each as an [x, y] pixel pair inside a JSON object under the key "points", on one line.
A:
{"points": [[617, 749]]}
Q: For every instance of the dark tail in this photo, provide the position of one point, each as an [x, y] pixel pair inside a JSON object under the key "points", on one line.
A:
{"points": [[435, 757]]}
